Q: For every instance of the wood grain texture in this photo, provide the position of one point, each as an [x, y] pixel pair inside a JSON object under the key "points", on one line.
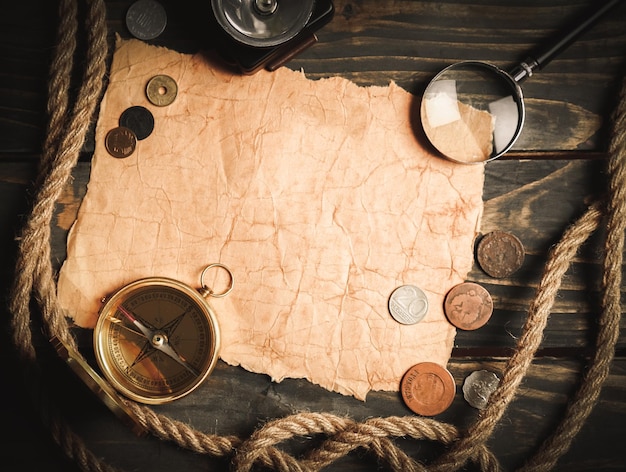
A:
{"points": [[236, 401]]}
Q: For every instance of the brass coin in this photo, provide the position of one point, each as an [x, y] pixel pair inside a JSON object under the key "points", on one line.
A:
{"points": [[120, 142], [500, 254], [428, 388], [161, 90], [468, 306]]}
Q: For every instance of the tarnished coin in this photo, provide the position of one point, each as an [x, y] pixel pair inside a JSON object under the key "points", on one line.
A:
{"points": [[468, 306], [146, 19], [427, 388], [500, 254], [408, 304], [139, 120], [120, 142], [161, 90], [478, 387]]}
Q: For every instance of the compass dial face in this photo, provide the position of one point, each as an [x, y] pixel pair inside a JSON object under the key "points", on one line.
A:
{"points": [[156, 340]]}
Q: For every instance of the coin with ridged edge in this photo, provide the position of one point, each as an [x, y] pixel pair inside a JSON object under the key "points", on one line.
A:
{"points": [[146, 19], [408, 304], [468, 306], [428, 388], [478, 387], [500, 254], [120, 142], [161, 90]]}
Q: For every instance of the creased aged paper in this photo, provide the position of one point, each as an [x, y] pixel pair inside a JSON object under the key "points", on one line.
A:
{"points": [[315, 193]]}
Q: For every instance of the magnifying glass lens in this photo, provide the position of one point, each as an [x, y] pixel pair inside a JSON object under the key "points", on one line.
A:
{"points": [[472, 112]]}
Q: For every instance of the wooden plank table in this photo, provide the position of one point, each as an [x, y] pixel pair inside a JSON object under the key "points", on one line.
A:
{"points": [[556, 168]]}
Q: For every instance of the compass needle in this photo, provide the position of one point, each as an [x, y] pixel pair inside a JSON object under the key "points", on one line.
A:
{"points": [[168, 350], [145, 352], [141, 325], [157, 339], [170, 327], [118, 322]]}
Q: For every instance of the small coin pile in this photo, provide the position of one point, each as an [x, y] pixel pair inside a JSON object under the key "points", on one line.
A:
{"points": [[136, 123]]}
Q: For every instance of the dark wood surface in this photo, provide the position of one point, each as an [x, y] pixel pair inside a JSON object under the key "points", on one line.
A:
{"points": [[535, 192]]}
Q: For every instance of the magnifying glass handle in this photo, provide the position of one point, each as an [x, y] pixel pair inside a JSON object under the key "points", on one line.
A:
{"points": [[525, 69]]}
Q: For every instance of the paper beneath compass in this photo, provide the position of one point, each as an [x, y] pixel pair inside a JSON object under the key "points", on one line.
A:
{"points": [[316, 194]]}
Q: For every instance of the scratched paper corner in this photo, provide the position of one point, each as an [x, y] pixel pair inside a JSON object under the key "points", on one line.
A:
{"points": [[315, 193]]}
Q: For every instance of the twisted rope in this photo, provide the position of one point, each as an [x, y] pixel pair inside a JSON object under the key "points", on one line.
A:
{"points": [[68, 125]]}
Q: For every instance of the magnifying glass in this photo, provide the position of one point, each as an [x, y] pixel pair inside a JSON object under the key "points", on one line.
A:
{"points": [[473, 111]]}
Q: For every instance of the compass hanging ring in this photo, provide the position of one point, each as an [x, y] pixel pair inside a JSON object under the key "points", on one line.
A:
{"points": [[208, 292]]}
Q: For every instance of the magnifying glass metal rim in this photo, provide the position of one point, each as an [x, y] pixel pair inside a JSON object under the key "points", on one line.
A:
{"points": [[534, 62], [516, 90]]}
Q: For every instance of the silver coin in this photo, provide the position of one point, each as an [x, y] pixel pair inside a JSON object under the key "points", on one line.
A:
{"points": [[478, 387], [146, 19], [408, 304]]}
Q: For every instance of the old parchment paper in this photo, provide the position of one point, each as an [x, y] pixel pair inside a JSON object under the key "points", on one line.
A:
{"points": [[315, 193]]}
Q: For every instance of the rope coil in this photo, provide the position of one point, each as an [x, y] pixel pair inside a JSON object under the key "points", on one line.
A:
{"points": [[34, 281]]}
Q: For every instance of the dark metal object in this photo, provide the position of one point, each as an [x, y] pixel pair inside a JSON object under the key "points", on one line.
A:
{"points": [[250, 49], [138, 119], [146, 19]]}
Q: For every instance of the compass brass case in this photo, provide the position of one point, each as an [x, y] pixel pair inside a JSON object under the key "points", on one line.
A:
{"points": [[156, 340]]}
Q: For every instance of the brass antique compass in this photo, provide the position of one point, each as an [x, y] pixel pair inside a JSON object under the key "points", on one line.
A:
{"points": [[157, 339]]}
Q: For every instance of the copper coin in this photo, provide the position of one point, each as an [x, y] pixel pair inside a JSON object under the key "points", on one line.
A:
{"points": [[120, 142], [468, 306], [500, 254], [161, 90], [428, 388]]}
